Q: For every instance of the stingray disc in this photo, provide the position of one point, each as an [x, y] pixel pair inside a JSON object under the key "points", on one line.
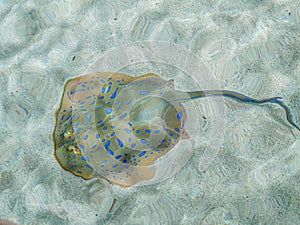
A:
{"points": [[115, 126]]}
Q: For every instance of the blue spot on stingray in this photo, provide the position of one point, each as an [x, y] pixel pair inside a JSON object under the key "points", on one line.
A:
{"points": [[127, 130], [114, 94], [88, 166], [123, 115], [107, 143], [108, 110], [119, 142], [143, 92], [110, 151], [84, 158], [107, 149], [108, 89], [132, 145], [89, 117], [68, 117], [179, 115], [142, 153]]}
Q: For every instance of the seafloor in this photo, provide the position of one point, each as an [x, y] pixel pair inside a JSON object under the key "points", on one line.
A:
{"points": [[248, 46]]}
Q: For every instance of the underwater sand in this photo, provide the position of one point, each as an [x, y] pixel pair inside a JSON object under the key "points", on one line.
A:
{"points": [[246, 46]]}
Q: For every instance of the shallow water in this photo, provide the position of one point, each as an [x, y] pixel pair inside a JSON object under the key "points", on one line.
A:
{"points": [[245, 164]]}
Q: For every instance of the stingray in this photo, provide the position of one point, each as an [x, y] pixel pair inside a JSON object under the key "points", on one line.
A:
{"points": [[115, 126]]}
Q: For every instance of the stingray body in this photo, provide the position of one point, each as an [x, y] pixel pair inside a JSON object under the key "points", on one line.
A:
{"points": [[115, 126]]}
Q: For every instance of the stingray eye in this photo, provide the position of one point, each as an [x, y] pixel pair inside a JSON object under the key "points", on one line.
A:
{"points": [[116, 126]]}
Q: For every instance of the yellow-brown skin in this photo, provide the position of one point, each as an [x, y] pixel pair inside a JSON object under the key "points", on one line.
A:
{"points": [[145, 169]]}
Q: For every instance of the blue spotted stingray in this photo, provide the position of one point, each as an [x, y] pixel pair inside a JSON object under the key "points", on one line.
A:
{"points": [[115, 126]]}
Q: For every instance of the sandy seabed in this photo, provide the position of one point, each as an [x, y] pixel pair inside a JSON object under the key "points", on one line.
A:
{"points": [[247, 46]]}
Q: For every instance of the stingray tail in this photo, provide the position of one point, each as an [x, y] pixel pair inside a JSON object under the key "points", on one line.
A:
{"points": [[182, 96]]}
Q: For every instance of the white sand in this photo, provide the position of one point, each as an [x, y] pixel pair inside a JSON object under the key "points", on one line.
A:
{"points": [[247, 46]]}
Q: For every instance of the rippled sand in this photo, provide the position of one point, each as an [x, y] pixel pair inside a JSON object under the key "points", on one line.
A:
{"points": [[246, 46]]}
